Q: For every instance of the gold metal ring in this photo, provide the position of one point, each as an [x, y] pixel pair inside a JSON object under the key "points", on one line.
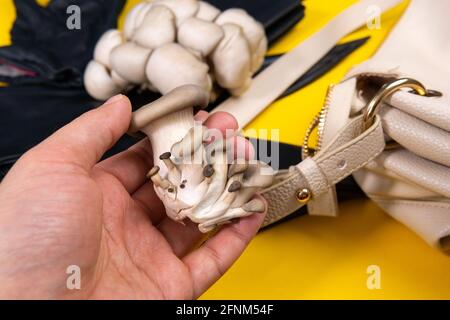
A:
{"points": [[386, 90]]}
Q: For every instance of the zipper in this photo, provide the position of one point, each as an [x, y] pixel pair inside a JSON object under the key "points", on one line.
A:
{"points": [[319, 123]]}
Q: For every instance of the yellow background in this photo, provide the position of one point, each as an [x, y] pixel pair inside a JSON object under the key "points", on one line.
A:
{"points": [[317, 257]]}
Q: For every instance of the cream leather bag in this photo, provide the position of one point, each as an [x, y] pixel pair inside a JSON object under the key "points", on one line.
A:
{"points": [[411, 179], [387, 123]]}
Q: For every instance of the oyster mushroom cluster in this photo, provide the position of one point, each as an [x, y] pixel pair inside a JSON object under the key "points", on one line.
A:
{"points": [[197, 178], [169, 43]]}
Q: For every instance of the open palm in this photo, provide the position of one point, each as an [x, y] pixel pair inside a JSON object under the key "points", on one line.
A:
{"points": [[60, 208]]}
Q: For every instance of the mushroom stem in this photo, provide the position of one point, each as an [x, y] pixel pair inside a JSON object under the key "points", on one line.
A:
{"points": [[167, 120], [165, 132], [190, 143], [165, 157], [153, 174], [174, 174]]}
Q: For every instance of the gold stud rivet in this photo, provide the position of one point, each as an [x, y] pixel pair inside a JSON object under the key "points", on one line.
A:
{"points": [[303, 195]]}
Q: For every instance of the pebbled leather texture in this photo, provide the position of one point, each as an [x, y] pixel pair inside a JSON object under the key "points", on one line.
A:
{"points": [[433, 110], [428, 218], [348, 152], [376, 180], [412, 182], [325, 205], [417, 170], [416, 135], [345, 155], [281, 197]]}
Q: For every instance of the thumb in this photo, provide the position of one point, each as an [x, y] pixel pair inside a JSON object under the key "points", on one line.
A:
{"points": [[87, 138]]}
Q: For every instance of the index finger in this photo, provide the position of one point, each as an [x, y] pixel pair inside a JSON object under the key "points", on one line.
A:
{"points": [[84, 140]]}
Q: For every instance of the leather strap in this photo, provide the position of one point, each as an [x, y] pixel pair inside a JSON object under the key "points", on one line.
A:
{"points": [[339, 102], [348, 152], [276, 79]]}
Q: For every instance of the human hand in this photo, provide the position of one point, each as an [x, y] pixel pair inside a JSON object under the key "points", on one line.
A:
{"points": [[60, 207]]}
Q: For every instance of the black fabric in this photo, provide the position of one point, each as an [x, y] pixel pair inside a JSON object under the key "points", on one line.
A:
{"points": [[51, 94], [328, 62], [277, 16], [41, 113], [43, 45]]}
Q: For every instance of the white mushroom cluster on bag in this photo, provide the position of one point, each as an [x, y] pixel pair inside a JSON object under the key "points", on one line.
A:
{"points": [[166, 44]]}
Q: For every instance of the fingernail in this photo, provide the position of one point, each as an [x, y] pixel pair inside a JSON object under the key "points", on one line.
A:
{"points": [[114, 99]]}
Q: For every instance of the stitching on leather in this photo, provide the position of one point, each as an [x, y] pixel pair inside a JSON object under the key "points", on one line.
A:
{"points": [[330, 202], [444, 232], [413, 202]]}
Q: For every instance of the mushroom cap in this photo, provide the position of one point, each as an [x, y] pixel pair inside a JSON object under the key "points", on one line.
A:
{"points": [[232, 59], [182, 9], [108, 41], [98, 81], [135, 17], [208, 171], [253, 31], [200, 35], [236, 168], [118, 80], [129, 61], [259, 55], [259, 175], [183, 97], [171, 66], [157, 28], [207, 11], [169, 43], [255, 205]]}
